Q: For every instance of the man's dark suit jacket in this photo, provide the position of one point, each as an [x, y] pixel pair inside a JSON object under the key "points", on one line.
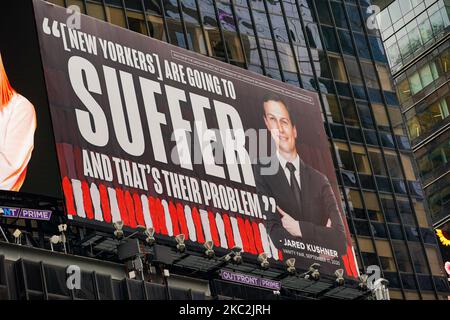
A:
{"points": [[318, 205]]}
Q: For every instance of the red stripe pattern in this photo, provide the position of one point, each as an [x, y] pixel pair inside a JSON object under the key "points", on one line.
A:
{"points": [[135, 209]]}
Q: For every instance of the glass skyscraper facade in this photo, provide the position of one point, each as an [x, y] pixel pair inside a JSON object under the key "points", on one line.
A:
{"points": [[416, 36], [328, 47], [417, 41]]}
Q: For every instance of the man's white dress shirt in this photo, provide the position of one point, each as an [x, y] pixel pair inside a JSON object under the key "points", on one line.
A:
{"points": [[296, 163]]}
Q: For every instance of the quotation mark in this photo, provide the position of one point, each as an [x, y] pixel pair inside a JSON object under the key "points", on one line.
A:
{"points": [[53, 30], [269, 202]]}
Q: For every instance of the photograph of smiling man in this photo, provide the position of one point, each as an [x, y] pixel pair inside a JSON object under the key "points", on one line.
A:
{"points": [[307, 214]]}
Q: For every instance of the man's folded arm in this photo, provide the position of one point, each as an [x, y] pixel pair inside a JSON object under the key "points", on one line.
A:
{"points": [[273, 224], [333, 237]]}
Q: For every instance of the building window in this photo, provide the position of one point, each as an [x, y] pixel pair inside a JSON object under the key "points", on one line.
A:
{"points": [[409, 283], [401, 253], [345, 160], [339, 15], [405, 211], [247, 32], [388, 205], [421, 214], [433, 258], [396, 120], [324, 12], [393, 53], [136, 22], [394, 282], [333, 110], [337, 68], [153, 7], [370, 75], [361, 160], [396, 232], [403, 90], [393, 164], [377, 162], [356, 206], [361, 45], [362, 229], [381, 117], [418, 257], [78, 3], [373, 207], [233, 44], [434, 159], [365, 115], [353, 71], [116, 16], [369, 258], [156, 27], [288, 60], [407, 162], [422, 80], [349, 111], [385, 253], [385, 77], [95, 10], [425, 117], [438, 195], [426, 284]]}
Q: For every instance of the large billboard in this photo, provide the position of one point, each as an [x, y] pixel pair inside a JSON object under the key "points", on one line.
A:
{"points": [[155, 135]]}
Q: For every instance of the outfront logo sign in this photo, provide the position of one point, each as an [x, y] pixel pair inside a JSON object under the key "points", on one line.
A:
{"points": [[250, 280]]}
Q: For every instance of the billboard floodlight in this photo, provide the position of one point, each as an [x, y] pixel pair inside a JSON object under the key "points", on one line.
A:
{"points": [[118, 226], [209, 246], [263, 259], [180, 242], [150, 233]]}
